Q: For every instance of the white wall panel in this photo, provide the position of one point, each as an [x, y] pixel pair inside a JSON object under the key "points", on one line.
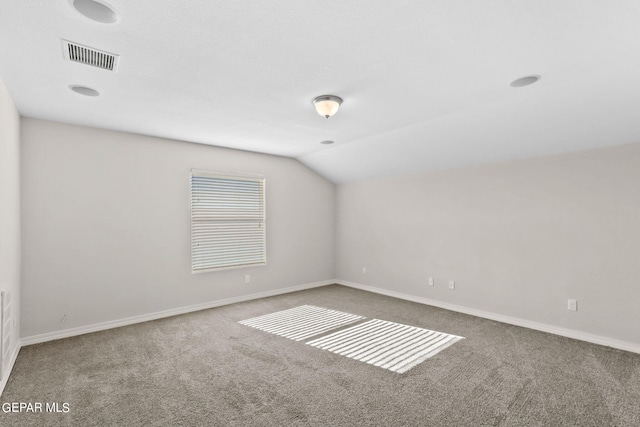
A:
{"points": [[107, 227], [519, 238]]}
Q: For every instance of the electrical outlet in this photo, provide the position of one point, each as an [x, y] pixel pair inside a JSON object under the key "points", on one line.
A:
{"points": [[247, 279], [431, 282], [364, 270], [572, 305], [452, 284]]}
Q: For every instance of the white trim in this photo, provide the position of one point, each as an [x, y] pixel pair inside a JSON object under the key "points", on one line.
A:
{"points": [[65, 333], [569, 333], [14, 356]]}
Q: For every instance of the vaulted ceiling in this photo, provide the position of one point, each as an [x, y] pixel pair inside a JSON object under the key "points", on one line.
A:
{"points": [[426, 85]]}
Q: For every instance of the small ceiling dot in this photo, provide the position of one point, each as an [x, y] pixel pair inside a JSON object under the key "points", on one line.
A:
{"points": [[525, 81], [96, 11], [327, 142], [83, 90]]}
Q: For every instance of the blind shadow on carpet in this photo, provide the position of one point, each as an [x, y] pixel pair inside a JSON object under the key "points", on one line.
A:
{"points": [[381, 343]]}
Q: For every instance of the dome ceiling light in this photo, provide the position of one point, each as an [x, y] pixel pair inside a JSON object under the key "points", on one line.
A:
{"points": [[327, 105]]}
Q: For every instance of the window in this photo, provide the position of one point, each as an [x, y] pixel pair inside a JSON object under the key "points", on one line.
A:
{"points": [[227, 221]]}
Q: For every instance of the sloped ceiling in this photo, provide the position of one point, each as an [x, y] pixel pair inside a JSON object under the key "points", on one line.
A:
{"points": [[426, 85]]}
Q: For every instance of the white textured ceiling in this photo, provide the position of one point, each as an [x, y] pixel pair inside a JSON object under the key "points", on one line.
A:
{"points": [[425, 83]]}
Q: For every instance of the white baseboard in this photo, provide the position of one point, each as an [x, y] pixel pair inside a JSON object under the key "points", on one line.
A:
{"points": [[569, 333], [12, 361], [66, 333]]}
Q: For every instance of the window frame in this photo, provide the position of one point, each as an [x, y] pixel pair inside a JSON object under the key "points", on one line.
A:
{"points": [[202, 173]]}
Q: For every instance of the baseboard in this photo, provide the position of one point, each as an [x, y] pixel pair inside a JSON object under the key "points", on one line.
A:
{"points": [[12, 361], [66, 333], [569, 333]]}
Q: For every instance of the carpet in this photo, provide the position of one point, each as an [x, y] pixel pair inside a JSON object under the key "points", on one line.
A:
{"points": [[381, 343], [388, 345], [302, 322]]}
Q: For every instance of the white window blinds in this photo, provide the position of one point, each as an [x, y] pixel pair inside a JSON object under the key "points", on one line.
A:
{"points": [[227, 221]]}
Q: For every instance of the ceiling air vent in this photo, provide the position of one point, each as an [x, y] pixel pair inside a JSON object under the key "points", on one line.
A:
{"points": [[87, 55]]}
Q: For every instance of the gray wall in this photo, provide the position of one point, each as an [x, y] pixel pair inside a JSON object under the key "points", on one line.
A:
{"points": [[106, 226], [105, 222], [10, 213], [519, 238]]}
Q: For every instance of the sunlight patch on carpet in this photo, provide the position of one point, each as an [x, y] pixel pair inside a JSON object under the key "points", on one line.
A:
{"points": [[388, 345], [302, 322]]}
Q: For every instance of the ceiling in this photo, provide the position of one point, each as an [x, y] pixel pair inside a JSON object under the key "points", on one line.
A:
{"points": [[426, 85]]}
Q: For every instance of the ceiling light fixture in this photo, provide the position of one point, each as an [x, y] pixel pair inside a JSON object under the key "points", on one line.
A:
{"points": [[327, 142], [327, 105], [84, 90], [525, 81], [96, 11]]}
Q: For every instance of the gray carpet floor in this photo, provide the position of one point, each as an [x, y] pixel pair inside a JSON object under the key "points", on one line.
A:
{"points": [[206, 369]]}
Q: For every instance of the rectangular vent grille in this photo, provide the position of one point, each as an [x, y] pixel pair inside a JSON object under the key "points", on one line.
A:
{"points": [[87, 55]]}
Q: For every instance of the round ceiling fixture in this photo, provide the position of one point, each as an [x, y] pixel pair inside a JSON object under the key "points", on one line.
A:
{"points": [[525, 81], [327, 142], [96, 11], [327, 105], [84, 90]]}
